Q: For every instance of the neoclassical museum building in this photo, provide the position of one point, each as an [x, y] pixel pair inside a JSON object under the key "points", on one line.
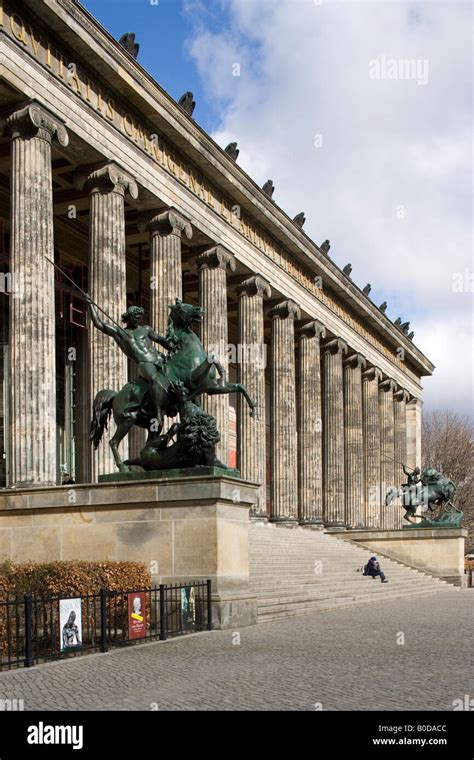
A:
{"points": [[104, 173]]}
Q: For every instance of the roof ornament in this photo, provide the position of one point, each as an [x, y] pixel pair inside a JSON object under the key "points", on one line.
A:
{"points": [[367, 289], [347, 270], [300, 219], [128, 42], [269, 188], [187, 103], [325, 247], [383, 307], [232, 151]]}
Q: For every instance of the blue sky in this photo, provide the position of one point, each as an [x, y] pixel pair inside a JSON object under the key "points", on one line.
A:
{"points": [[381, 164], [165, 32]]}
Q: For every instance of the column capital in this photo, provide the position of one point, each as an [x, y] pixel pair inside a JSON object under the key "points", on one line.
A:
{"points": [[387, 385], [372, 373], [285, 310], [107, 177], [335, 346], [254, 286], [216, 257], [33, 120], [355, 360], [401, 395], [169, 222], [313, 329]]}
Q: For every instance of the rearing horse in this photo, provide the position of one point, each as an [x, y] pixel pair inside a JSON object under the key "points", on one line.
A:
{"points": [[189, 365]]}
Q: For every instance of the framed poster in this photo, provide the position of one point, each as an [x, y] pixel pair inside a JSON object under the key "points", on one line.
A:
{"points": [[188, 606], [136, 615], [70, 624]]}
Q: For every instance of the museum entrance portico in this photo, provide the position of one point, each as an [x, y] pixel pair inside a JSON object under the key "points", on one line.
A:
{"points": [[104, 174]]}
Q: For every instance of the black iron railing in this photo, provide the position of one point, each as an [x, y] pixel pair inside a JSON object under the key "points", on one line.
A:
{"points": [[34, 629]]}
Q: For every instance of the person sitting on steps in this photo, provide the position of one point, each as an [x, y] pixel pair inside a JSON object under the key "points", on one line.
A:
{"points": [[373, 568]]}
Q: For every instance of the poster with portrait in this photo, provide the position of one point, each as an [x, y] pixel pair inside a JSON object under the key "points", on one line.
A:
{"points": [[188, 607], [70, 624], [136, 615]]}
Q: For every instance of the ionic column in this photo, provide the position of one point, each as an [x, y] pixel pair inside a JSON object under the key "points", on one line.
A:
{"points": [[284, 460], [108, 186], [213, 265], [387, 451], [400, 399], [310, 428], [334, 506], [353, 441], [32, 368], [413, 409], [251, 430], [371, 424], [166, 232]]}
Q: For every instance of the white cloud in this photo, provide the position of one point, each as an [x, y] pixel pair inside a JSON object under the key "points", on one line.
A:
{"points": [[390, 147]]}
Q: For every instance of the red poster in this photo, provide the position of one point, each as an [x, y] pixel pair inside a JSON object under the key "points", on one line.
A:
{"points": [[136, 615]]}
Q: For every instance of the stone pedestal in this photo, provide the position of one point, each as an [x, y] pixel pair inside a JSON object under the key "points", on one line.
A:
{"points": [[353, 441], [371, 424], [213, 265], [310, 427], [108, 186], [284, 462], [387, 450], [186, 528], [32, 373], [334, 506], [251, 430], [437, 551], [166, 232]]}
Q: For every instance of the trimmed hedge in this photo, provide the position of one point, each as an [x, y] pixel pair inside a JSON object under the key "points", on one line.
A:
{"points": [[71, 578]]}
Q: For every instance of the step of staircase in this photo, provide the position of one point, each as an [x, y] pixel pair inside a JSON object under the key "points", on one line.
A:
{"points": [[287, 582]]}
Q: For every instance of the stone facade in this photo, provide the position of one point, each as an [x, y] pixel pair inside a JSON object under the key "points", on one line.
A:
{"points": [[176, 218]]}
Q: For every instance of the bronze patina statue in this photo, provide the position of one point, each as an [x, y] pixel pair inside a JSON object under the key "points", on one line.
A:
{"points": [[167, 384], [433, 492]]}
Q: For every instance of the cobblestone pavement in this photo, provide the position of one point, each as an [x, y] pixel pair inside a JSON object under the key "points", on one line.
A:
{"points": [[333, 658]]}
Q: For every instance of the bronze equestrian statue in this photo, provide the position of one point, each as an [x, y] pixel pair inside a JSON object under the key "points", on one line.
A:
{"points": [[159, 389], [428, 489]]}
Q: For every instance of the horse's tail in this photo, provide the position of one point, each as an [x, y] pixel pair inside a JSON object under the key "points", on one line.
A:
{"points": [[101, 411]]}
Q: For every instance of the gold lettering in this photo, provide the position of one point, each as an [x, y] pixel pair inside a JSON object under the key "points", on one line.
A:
{"points": [[99, 99], [74, 78], [192, 182], [16, 20], [48, 55], [224, 210], [183, 175], [1, 13], [88, 85], [110, 110], [210, 198], [35, 42], [129, 131], [62, 62], [171, 163]]}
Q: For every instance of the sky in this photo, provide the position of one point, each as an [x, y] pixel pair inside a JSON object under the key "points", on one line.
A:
{"points": [[361, 114]]}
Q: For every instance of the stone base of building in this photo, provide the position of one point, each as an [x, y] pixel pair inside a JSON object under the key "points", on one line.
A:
{"points": [[185, 529], [438, 551]]}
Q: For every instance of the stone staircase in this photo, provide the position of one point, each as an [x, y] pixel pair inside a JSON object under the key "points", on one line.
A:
{"points": [[299, 571]]}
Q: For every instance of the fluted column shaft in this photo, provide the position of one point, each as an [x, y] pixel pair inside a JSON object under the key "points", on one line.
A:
{"points": [[107, 288], [334, 506], [400, 433], [353, 442], [251, 430], [284, 460], [213, 265], [413, 410], [310, 429], [166, 233], [371, 424], [387, 451], [32, 368]]}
